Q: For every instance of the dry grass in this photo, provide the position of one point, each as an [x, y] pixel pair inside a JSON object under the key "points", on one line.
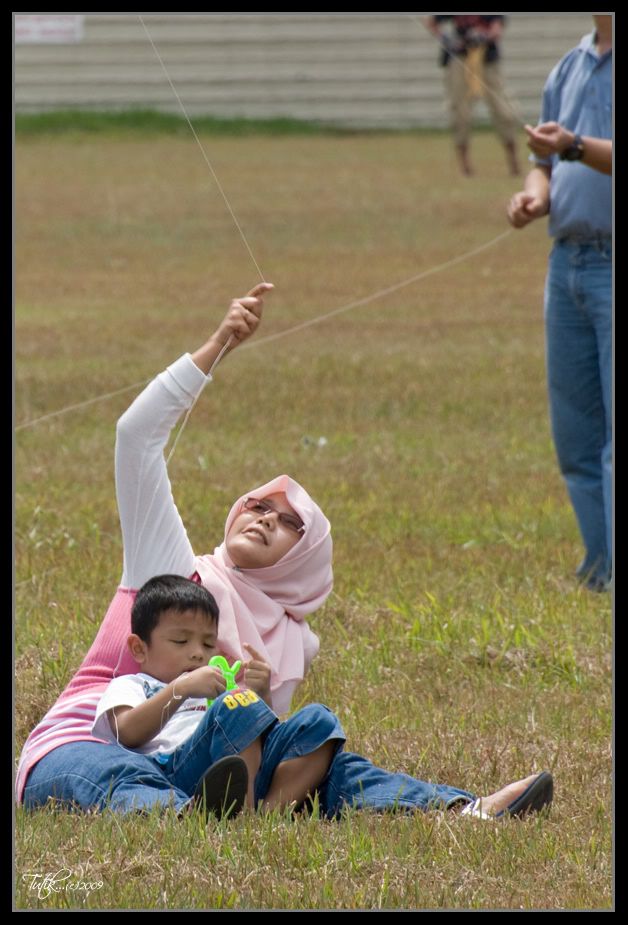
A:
{"points": [[456, 645]]}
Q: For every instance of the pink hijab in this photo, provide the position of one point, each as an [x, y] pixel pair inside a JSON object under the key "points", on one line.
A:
{"points": [[266, 607]]}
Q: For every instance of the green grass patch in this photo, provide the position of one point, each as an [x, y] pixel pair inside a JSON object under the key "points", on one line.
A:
{"points": [[274, 862], [153, 122]]}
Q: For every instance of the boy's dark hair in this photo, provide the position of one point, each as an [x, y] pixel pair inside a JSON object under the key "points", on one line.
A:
{"points": [[169, 592]]}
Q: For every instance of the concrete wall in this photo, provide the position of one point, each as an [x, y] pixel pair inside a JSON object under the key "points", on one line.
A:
{"points": [[361, 69]]}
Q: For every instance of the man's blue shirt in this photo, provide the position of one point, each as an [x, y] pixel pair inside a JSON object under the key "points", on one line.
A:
{"points": [[579, 95]]}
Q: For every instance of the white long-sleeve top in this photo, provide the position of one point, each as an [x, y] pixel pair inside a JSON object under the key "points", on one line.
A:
{"points": [[154, 537]]}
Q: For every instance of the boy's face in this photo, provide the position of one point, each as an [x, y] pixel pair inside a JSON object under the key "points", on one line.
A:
{"points": [[180, 642]]}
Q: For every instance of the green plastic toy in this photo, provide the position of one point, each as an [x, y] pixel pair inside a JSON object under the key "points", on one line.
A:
{"points": [[218, 661]]}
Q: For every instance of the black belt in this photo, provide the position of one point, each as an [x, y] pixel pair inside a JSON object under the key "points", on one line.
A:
{"points": [[599, 238]]}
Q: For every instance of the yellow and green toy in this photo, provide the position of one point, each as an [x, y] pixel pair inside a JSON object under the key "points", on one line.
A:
{"points": [[218, 661]]}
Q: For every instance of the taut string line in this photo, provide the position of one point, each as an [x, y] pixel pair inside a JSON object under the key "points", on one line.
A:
{"points": [[297, 327]]}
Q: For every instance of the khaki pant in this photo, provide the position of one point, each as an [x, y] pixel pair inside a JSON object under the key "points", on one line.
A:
{"points": [[505, 119]]}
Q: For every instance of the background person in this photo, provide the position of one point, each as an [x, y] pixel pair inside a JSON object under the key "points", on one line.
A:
{"points": [[471, 59]]}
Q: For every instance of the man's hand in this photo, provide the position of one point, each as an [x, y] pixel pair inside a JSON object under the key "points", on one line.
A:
{"points": [[257, 674], [551, 138], [548, 138], [524, 208]]}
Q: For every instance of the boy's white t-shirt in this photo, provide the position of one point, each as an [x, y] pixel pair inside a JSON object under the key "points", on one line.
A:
{"points": [[131, 690]]}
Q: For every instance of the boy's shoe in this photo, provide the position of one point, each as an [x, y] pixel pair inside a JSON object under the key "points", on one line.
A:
{"points": [[222, 789]]}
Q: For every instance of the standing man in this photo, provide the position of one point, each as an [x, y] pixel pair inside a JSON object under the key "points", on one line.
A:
{"points": [[571, 181], [471, 61]]}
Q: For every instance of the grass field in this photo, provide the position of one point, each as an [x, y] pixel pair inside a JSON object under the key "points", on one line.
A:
{"points": [[456, 645]]}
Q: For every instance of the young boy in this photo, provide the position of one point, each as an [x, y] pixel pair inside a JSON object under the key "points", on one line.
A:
{"points": [[212, 755]]}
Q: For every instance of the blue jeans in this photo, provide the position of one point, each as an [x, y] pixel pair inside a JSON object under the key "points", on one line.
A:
{"points": [[578, 324], [93, 775], [356, 782]]}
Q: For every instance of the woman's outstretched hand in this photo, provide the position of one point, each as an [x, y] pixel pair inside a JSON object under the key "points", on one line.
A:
{"points": [[240, 322]]}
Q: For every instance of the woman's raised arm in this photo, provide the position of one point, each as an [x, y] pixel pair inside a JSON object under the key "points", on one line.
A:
{"points": [[154, 537]]}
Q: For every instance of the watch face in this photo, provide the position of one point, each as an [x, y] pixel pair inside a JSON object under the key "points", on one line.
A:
{"points": [[575, 151], [574, 154]]}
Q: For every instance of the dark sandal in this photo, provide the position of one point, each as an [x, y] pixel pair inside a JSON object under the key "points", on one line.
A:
{"points": [[223, 788], [534, 798]]}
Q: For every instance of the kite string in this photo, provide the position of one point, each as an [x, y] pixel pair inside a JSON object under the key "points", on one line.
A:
{"points": [[80, 404], [258, 342], [380, 293], [231, 212], [207, 161]]}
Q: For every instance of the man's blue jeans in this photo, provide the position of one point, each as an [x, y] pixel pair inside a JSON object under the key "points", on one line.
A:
{"points": [[578, 323], [93, 775]]}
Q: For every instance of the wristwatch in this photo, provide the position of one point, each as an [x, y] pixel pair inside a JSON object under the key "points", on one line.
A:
{"points": [[575, 151]]}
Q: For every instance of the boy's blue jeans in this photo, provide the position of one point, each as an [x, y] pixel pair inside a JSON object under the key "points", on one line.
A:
{"points": [[93, 775], [579, 332]]}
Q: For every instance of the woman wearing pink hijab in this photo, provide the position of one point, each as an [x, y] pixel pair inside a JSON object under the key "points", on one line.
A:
{"points": [[272, 570], [264, 606]]}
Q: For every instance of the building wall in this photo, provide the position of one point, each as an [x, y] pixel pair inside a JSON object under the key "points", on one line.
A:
{"points": [[370, 70]]}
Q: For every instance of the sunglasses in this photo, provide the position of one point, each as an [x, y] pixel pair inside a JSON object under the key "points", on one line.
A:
{"points": [[290, 521]]}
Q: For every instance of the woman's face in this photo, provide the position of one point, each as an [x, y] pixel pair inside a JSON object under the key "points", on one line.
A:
{"points": [[259, 538]]}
